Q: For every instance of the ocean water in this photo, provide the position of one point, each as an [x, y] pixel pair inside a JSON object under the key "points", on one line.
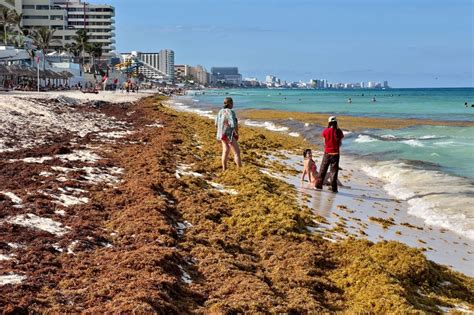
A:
{"points": [[436, 104], [432, 167]]}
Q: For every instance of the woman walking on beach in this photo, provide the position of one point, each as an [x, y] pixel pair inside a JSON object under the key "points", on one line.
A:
{"points": [[332, 142], [228, 132]]}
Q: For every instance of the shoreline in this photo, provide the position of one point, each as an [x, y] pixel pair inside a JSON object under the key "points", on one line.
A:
{"points": [[460, 253], [437, 186], [362, 209], [142, 219]]}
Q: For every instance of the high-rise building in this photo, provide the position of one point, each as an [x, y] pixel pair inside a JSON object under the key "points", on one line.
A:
{"points": [[66, 17], [96, 19], [226, 75], [385, 84], [155, 65], [150, 64], [323, 83], [270, 79], [167, 62], [152, 59], [200, 74], [44, 13], [181, 72]]}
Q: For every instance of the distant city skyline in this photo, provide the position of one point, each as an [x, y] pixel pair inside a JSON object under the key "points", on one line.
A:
{"points": [[417, 43]]}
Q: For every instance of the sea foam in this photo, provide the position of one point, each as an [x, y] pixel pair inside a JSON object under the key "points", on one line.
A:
{"points": [[413, 143], [265, 124], [439, 199], [185, 108], [364, 139]]}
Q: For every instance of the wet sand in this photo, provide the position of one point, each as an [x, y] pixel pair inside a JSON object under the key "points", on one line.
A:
{"points": [[363, 209]]}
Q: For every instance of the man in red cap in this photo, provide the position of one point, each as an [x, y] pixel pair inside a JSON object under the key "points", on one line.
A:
{"points": [[332, 142]]}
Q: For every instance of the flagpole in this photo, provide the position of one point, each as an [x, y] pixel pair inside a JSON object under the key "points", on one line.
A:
{"points": [[38, 72]]}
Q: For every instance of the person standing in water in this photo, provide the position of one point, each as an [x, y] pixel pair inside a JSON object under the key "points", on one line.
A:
{"points": [[332, 142], [228, 132]]}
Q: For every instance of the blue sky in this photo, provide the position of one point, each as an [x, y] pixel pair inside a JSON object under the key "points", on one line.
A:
{"points": [[410, 43]]}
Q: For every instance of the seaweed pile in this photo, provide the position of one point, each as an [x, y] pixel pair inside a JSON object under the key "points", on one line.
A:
{"points": [[173, 234]]}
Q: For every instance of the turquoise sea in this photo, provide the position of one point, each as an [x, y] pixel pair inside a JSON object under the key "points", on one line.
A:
{"points": [[451, 148], [432, 167]]}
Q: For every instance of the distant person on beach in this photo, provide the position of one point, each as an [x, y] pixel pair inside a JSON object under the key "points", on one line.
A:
{"points": [[228, 132], [465, 104], [332, 142], [349, 100], [374, 99]]}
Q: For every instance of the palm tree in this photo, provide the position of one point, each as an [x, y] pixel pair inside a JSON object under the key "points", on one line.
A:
{"points": [[81, 40], [19, 41], [43, 38], [89, 50], [19, 34], [6, 20], [97, 50], [16, 19], [73, 49]]}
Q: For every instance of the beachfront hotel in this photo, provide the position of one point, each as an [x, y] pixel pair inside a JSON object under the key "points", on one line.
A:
{"points": [[167, 62], [185, 72], [156, 65], [67, 17], [225, 76]]}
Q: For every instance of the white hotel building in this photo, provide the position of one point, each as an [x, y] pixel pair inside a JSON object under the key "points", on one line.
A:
{"points": [[67, 17], [155, 65]]}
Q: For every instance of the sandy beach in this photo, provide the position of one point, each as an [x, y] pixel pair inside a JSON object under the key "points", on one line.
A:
{"points": [[121, 206]]}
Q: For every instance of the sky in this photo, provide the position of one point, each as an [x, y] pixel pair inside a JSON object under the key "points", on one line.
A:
{"points": [[410, 43]]}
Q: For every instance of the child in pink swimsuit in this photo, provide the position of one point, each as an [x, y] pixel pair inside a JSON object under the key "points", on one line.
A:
{"points": [[309, 167]]}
